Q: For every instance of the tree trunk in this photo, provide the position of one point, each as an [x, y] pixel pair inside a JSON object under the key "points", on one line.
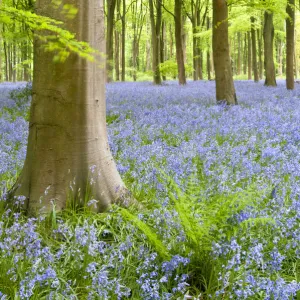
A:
{"points": [[225, 90], [290, 44], [279, 53], [268, 50], [68, 153], [111, 4], [249, 57], [178, 41], [117, 55], [254, 53], [162, 46], [239, 60], [260, 65], [208, 54], [123, 40], [155, 29], [245, 56]]}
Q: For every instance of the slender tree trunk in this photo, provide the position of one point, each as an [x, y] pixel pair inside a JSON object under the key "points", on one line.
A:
{"points": [[249, 56], [178, 40], [208, 54], [162, 45], [123, 39], [225, 90], [279, 53], [268, 50], [290, 44], [245, 56], [67, 141], [260, 60], [254, 53], [155, 29], [296, 57], [111, 4], [239, 60], [117, 55]]}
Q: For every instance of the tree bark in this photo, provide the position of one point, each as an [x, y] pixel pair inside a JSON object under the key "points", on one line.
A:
{"points": [[268, 50], [123, 19], [245, 52], [260, 60], [68, 153], [117, 55], [208, 54], [225, 90], [249, 56], [111, 4], [178, 41], [155, 29], [239, 60], [254, 52], [290, 44]]}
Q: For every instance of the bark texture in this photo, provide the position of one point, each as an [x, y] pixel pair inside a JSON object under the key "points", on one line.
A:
{"points": [[290, 44], [67, 144], [155, 29], [111, 4], [178, 42], [225, 90], [254, 50], [268, 50]]}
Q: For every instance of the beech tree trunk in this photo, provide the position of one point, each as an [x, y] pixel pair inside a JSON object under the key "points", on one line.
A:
{"points": [[123, 40], [239, 59], [225, 90], [178, 41], [254, 52], [208, 54], [290, 44], [260, 61], [155, 29], [249, 56], [245, 55], [68, 151], [111, 4], [268, 50]]}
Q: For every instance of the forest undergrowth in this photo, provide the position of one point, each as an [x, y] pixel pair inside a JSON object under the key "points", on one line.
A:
{"points": [[220, 189]]}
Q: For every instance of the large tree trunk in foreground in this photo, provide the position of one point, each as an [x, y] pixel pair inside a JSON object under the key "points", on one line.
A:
{"points": [[268, 50], [224, 82], [290, 44], [67, 145]]}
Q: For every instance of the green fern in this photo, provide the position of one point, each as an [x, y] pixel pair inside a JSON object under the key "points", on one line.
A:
{"points": [[152, 237]]}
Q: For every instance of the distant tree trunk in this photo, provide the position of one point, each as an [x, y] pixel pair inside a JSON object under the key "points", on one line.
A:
{"points": [[67, 133], [295, 57], [178, 41], [249, 56], [111, 4], [239, 60], [245, 55], [279, 55], [117, 55], [123, 19], [254, 53], [290, 44], [208, 54], [162, 45], [260, 65], [268, 50], [184, 37], [155, 29], [225, 90]]}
